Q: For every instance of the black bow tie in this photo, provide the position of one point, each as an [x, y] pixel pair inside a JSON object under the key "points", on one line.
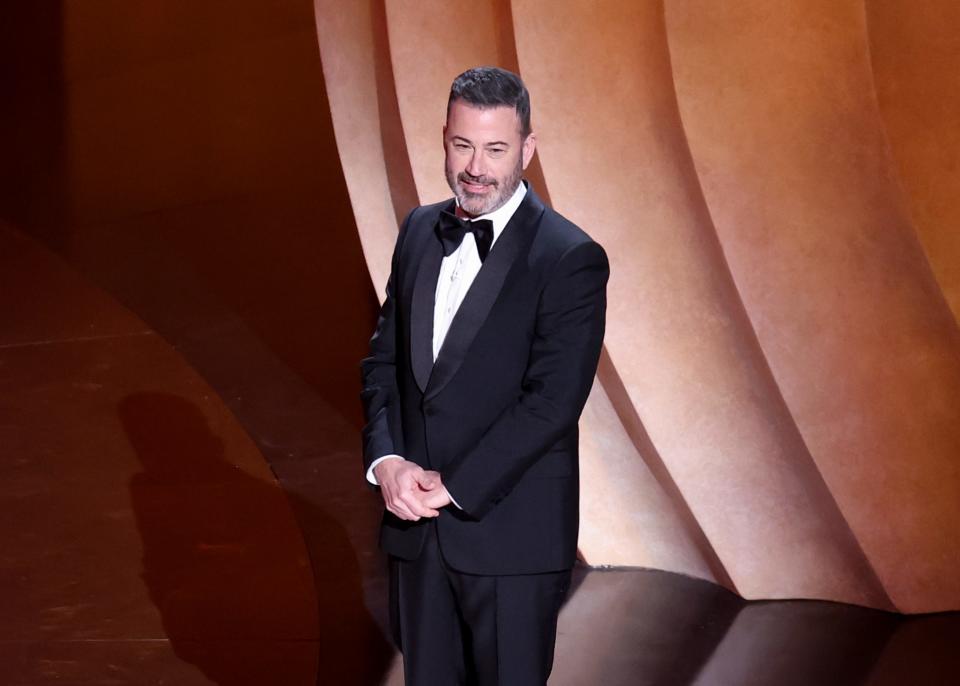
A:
{"points": [[451, 229]]}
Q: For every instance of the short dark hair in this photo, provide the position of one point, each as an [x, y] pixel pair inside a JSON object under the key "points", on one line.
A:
{"points": [[493, 87]]}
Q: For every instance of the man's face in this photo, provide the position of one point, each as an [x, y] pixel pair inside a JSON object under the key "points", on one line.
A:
{"points": [[485, 155]]}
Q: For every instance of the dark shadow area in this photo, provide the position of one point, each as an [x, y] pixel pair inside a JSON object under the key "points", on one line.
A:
{"points": [[646, 627], [923, 651], [799, 642], [224, 562], [640, 627], [33, 189], [215, 136]]}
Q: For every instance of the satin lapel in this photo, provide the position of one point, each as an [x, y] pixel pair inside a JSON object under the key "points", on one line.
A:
{"points": [[483, 292], [421, 311]]}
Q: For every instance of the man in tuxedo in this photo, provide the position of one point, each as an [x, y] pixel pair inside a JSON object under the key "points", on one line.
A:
{"points": [[482, 359]]}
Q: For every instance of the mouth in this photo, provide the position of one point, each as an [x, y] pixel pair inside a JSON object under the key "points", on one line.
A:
{"points": [[474, 187]]}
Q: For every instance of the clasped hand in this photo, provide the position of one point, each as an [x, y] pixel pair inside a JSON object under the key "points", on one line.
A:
{"points": [[409, 491]]}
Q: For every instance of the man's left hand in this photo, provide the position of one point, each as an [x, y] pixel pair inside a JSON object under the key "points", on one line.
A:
{"points": [[433, 494]]}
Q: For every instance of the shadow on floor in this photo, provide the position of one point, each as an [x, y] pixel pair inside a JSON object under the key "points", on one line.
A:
{"points": [[226, 565]]}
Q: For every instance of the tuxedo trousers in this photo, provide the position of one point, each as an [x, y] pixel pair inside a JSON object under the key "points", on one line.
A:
{"points": [[459, 629]]}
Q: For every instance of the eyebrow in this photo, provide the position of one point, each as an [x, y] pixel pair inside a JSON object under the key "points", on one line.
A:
{"points": [[490, 144]]}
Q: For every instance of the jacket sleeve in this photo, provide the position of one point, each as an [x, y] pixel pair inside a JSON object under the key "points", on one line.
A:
{"points": [[382, 434], [563, 361]]}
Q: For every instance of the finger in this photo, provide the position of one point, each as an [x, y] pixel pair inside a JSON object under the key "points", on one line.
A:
{"points": [[402, 514], [435, 499], [428, 485], [416, 507], [429, 480]]}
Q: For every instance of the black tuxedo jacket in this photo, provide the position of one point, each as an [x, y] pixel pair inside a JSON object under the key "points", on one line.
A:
{"points": [[497, 413]]}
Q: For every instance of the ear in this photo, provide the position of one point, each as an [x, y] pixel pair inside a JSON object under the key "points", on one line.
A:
{"points": [[529, 147]]}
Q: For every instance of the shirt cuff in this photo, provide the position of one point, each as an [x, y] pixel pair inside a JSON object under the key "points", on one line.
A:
{"points": [[371, 477], [452, 500]]}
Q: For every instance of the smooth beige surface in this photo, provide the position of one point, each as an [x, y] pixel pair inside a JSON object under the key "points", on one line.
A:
{"points": [[627, 516], [789, 146], [359, 82], [616, 160], [915, 55]]}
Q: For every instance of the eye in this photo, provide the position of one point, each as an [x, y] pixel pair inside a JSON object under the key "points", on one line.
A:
{"points": [[461, 146], [497, 151]]}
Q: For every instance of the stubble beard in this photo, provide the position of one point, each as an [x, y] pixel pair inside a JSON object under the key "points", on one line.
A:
{"points": [[476, 204]]}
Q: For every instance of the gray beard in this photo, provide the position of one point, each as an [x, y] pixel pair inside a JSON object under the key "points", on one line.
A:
{"points": [[504, 191]]}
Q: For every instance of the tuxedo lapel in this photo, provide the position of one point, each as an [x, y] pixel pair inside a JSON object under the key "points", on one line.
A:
{"points": [[478, 302], [421, 315]]}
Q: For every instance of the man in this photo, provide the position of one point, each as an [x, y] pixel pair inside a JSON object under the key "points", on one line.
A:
{"points": [[483, 357]]}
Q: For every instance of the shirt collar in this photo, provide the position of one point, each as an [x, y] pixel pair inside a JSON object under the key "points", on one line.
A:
{"points": [[502, 214]]}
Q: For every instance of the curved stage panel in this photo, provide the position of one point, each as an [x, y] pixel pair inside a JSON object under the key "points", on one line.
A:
{"points": [[791, 152], [366, 121], [915, 54], [677, 331]]}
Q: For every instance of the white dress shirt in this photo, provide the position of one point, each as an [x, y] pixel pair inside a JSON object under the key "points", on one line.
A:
{"points": [[457, 272]]}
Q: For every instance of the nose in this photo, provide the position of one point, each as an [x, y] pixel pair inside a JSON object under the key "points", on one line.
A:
{"points": [[475, 167]]}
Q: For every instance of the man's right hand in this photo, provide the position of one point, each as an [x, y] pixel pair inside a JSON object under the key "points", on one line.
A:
{"points": [[400, 483]]}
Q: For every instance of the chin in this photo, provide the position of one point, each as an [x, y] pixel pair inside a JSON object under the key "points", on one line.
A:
{"points": [[479, 204], [473, 208], [471, 205]]}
